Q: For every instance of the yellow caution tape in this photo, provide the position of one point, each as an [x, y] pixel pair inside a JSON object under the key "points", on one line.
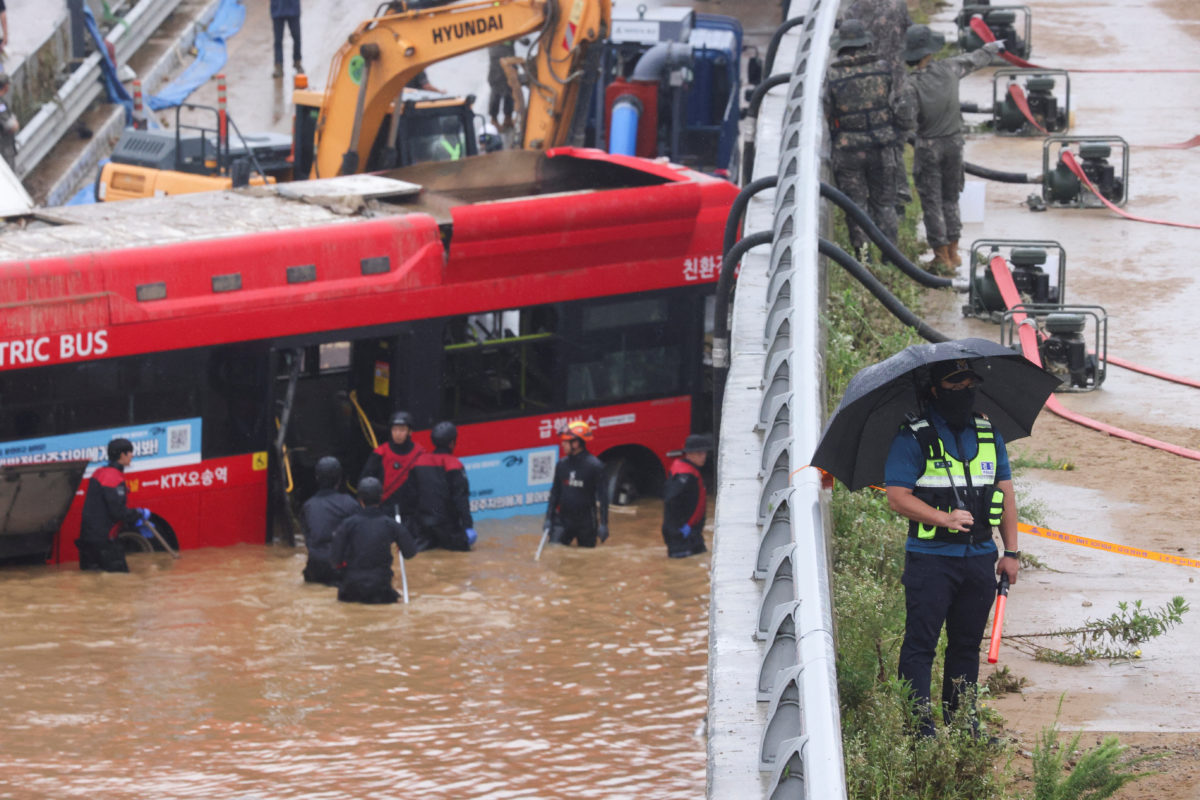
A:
{"points": [[1109, 547]]}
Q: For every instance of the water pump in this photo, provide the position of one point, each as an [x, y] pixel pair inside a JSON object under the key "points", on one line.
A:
{"points": [[1063, 334], [1002, 20], [1061, 188], [1007, 118], [1028, 261]]}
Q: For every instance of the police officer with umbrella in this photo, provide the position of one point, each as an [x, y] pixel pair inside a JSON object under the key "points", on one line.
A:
{"points": [[912, 422]]}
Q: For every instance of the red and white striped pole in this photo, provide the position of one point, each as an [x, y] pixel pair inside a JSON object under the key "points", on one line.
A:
{"points": [[139, 114], [222, 114]]}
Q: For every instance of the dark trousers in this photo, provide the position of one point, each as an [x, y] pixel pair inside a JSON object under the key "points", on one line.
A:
{"points": [[500, 96], [446, 535], [680, 546], [293, 24], [372, 587], [943, 590], [319, 570], [938, 174], [870, 178], [106, 556], [569, 530]]}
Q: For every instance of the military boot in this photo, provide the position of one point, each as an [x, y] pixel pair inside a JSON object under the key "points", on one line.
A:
{"points": [[940, 264], [952, 251]]}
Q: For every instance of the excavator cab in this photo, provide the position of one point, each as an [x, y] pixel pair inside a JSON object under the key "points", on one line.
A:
{"points": [[423, 126]]}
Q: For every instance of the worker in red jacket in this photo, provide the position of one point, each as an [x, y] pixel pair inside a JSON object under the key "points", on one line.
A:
{"points": [[391, 464], [685, 501], [443, 493], [106, 513]]}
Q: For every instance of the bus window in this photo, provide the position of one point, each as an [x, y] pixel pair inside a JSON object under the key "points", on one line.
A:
{"points": [[334, 357], [625, 350], [499, 363]]}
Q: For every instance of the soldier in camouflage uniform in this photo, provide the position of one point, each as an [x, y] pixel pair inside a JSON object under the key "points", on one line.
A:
{"points": [[858, 102], [8, 124], [930, 106], [887, 21]]}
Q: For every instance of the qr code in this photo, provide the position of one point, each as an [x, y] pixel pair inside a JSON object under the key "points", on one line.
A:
{"points": [[179, 438], [541, 466]]}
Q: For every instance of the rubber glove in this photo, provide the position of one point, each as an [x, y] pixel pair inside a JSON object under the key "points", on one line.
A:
{"points": [[145, 513], [602, 533], [471, 536], [686, 530]]}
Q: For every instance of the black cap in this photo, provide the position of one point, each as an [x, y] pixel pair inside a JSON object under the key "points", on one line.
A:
{"points": [[953, 370], [851, 33], [921, 41], [402, 418], [698, 443]]}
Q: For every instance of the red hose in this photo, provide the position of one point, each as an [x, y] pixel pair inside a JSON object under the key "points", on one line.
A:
{"points": [[1068, 158], [1028, 337], [1018, 96], [985, 33], [1153, 373]]}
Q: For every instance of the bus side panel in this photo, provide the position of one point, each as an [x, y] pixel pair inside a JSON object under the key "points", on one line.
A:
{"points": [[217, 502]]}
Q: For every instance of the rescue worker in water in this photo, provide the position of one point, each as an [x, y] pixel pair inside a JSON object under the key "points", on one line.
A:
{"points": [[320, 516], [443, 492], [685, 501], [391, 464], [106, 513], [578, 505], [362, 549]]}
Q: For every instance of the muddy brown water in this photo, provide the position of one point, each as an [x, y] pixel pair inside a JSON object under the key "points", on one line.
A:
{"points": [[222, 675]]}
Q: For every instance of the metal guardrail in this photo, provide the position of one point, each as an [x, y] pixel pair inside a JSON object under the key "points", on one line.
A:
{"points": [[56, 117], [772, 679]]}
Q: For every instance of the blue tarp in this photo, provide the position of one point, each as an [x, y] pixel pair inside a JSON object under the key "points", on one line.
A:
{"points": [[108, 70], [210, 56]]}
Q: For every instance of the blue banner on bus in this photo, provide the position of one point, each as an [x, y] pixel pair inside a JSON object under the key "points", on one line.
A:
{"points": [[155, 446], [511, 483]]}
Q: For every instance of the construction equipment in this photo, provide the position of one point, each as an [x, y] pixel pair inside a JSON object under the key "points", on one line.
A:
{"points": [[1002, 20], [1008, 117], [383, 54], [670, 83], [1027, 260], [1061, 187], [342, 129], [1062, 338]]}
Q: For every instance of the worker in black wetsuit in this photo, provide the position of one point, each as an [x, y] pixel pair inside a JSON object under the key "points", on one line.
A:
{"points": [[685, 501], [106, 512], [443, 493], [320, 516], [578, 505], [362, 549], [391, 464]]}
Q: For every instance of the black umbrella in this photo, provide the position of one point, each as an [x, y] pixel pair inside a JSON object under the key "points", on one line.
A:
{"points": [[856, 441]]}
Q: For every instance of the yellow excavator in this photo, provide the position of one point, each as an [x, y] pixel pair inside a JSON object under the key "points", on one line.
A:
{"points": [[366, 121]]}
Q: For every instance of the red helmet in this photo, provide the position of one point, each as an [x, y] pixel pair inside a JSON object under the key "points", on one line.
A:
{"points": [[577, 430]]}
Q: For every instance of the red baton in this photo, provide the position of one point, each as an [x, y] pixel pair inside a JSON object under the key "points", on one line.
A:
{"points": [[998, 619]]}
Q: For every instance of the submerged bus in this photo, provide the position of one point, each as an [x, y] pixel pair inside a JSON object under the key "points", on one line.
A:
{"points": [[237, 337]]}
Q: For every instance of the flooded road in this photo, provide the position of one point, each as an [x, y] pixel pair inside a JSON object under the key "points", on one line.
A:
{"points": [[223, 675]]}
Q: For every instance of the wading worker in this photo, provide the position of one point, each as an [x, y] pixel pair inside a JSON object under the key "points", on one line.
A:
{"points": [[948, 473], [320, 516], [362, 549], [391, 464], [929, 105], [578, 505], [443, 493], [685, 500], [106, 513]]}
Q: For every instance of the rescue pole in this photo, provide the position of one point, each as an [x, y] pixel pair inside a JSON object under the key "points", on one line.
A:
{"points": [[403, 574], [161, 540], [139, 113], [998, 619], [541, 544], [222, 113]]}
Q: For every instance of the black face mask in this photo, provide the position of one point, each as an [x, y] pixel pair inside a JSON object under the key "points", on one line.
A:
{"points": [[956, 405]]}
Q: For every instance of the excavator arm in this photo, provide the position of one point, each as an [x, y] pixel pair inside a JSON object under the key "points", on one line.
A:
{"points": [[385, 53]]}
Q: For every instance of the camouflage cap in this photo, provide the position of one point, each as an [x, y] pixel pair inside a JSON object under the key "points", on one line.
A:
{"points": [[851, 33], [920, 41]]}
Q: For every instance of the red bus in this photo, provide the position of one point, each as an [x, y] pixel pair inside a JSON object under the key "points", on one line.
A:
{"points": [[236, 337]]}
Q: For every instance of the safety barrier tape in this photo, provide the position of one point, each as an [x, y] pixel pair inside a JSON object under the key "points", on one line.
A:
{"points": [[1109, 547], [1068, 158], [1028, 337], [1018, 96], [985, 33]]}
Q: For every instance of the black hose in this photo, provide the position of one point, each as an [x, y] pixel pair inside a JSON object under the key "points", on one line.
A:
{"points": [[889, 300], [720, 346], [776, 38], [890, 251], [748, 148], [997, 175], [738, 209]]}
